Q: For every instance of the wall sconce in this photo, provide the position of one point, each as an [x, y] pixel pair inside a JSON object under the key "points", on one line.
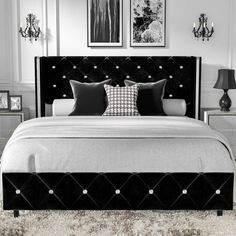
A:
{"points": [[32, 31], [203, 31]]}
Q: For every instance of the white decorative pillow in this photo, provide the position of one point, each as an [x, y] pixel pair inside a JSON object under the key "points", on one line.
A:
{"points": [[122, 101]]}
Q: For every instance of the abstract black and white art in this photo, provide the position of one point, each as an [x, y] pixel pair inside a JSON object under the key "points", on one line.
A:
{"points": [[4, 100], [148, 23], [15, 103], [105, 23]]}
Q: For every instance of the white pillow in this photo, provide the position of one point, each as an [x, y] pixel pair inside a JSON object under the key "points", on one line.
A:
{"points": [[172, 107], [62, 107]]}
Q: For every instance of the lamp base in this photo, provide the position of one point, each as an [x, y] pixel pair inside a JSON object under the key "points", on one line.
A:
{"points": [[225, 101], [224, 109]]}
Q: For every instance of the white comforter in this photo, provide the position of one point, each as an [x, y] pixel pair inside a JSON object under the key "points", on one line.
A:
{"points": [[99, 144], [114, 127]]}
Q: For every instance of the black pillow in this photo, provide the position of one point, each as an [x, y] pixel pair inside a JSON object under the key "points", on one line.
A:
{"points": [[89, 98], [150, 97]]}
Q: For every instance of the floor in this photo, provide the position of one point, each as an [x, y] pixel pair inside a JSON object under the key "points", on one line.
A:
{"points": [[105, 223]]}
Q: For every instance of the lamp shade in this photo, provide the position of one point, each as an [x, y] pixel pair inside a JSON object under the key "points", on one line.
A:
{"points": [[226, 79]]}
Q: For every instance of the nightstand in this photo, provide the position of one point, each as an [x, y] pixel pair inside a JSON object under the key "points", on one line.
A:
{"points": [[225, 123], [8, 123]]}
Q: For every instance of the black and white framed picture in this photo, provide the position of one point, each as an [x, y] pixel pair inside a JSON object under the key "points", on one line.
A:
{"points": [[15, 103], [4, 100], [105, 23], [147, 23]]}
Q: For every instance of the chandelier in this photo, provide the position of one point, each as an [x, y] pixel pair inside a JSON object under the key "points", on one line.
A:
{"points": [[32, 31], [203, 31]]}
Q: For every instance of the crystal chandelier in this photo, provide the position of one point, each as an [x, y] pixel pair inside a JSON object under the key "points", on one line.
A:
{"points": [[203, 31], [32, 31]]}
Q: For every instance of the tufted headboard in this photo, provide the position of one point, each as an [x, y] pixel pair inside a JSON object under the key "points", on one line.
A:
{"points": [[183, 76]]}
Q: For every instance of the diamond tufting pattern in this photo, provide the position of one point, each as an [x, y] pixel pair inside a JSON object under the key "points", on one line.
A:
{"points": [[105, 191], [53, 75]]}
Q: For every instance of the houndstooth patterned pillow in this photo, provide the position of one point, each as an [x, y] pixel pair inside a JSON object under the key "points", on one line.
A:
{"points": [[122, 101]]}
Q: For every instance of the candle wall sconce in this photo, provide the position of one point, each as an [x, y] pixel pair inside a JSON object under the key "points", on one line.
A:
{"points": [[203, 31], [32, 30]]}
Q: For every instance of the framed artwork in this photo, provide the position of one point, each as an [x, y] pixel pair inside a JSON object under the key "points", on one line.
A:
{"points": [[105, 23], [15, 103], [147, 23], [4, 100]]}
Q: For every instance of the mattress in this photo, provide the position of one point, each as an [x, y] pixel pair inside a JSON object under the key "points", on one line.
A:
{"points": [[116, 144]]}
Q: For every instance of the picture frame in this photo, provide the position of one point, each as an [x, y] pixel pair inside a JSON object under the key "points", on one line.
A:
{"points": [[4, 100], [106, 31], [148, 23], [15, 102]]}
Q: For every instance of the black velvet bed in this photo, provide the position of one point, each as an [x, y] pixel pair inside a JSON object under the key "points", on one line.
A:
{"points": [[107, 191]]}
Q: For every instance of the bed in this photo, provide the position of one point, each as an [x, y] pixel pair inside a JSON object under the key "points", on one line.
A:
{"points": [[105, 163]]}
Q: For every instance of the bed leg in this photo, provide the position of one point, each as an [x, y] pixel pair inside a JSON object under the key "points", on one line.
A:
{"points": [[16, 213], [219, 213]]}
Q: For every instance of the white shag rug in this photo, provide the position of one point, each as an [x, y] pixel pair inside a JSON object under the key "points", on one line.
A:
{"points": [[120, 223]]}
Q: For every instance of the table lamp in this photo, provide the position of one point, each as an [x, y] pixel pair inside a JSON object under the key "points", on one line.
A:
{"points": [[225, 81]]}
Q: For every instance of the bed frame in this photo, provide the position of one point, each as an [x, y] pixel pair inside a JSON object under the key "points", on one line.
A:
{"points": [[107, 191], [183, 76]]}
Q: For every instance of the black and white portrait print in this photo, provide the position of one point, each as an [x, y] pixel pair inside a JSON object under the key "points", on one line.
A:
{"points": [[104, 22], [148, 23]]}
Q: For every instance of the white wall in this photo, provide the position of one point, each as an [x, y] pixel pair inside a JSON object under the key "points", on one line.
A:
{"points": [[64, 23]]}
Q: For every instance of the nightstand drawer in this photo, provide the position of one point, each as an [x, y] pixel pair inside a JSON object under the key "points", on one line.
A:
{"points": [[223, 122], [8, 124], [233, 149], [229, 134], [2, 144]]}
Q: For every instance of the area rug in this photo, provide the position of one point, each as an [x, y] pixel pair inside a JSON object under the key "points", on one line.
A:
{"points": [[120, 223]]}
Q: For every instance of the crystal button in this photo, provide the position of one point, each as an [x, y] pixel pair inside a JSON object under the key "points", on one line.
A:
{"points": [[50, 191], [18, 191], [151, 191], [117, 191], [184, 191]]}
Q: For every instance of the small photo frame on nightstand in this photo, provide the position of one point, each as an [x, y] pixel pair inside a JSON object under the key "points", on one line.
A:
{"points": [[4, 100], [15, 102]]}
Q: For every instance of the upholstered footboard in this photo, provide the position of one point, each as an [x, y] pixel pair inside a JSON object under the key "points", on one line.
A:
{"points": [[107, 191]]}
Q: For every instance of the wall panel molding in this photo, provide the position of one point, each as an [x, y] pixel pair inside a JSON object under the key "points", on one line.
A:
{"points": [[15, 41], [58, 40], [231, 29], [45, 27]]}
